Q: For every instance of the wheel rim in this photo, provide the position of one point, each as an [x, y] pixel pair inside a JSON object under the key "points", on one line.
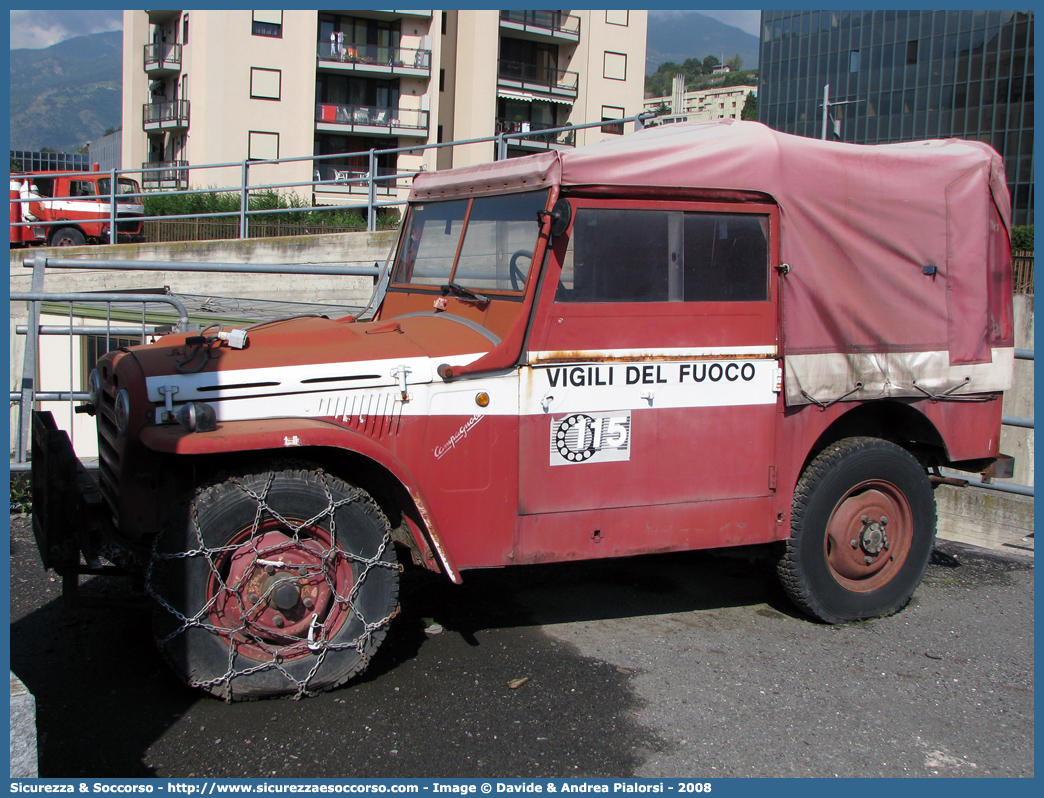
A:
{"points": [[279, 591], [868, 536]]}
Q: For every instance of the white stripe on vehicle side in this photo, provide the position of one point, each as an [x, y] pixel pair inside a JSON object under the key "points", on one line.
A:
{"points": [[357, 374], [527, 391], [90, 206]]}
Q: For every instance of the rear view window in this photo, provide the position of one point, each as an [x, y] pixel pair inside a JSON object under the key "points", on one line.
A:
{"points": [[623, 255]]}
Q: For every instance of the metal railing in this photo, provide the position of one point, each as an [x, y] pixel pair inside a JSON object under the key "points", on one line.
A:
{"points": [[394, 120], [164, 174], [162, 56], [165, 115], [554, 22], [539, 78], [31, 393], [1022, 266], [377, 185], [375, 55], [538, 132]]}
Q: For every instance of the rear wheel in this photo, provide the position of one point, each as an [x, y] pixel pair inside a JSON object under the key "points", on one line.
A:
{"points": [[68, 237], [862, 530], [281, 582]]}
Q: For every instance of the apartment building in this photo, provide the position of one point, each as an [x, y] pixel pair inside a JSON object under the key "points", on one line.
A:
{"points": [[699, 105], [223, 86]]}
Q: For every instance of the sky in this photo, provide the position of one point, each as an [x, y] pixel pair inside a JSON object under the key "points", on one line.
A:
{"points": [[36, 29]]}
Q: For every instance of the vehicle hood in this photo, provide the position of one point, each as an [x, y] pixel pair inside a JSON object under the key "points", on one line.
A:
{"points": [[309, 354]]}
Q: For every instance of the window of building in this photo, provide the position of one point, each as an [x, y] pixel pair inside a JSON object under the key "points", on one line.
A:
{"points": [[442, 80], [268, 23], [438, 135], [614, 66], [262, 146], [184, 29], [911, 52], [616, 17], [624, 255], [853, 61], [444, 14], [610, 112], [265, 84]]}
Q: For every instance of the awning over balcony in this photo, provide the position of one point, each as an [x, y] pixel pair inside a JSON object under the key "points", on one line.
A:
{"points": [[529, 97]]}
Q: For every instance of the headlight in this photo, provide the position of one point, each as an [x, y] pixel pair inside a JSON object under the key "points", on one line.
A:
{"points": [[122, 410], [94, 386]]}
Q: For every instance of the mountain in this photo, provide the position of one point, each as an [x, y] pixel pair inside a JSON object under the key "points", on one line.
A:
{"points": [[677, 35], [67, 94]]}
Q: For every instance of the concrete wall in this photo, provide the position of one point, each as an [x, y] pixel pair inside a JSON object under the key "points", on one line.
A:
{"points": [[1019, 401], [354, 249]]}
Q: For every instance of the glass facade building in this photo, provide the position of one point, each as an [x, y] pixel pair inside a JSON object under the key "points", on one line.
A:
{"points": [[903, 76]]}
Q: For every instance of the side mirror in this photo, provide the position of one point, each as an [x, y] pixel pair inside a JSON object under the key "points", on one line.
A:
{"points": [[561, 214]]}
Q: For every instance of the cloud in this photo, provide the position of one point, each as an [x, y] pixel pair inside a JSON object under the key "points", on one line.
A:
{"points": [[35, 29], [746, 21]]}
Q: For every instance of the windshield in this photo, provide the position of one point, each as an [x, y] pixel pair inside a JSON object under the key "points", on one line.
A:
{"points": [[124, 186], [485, 243]]}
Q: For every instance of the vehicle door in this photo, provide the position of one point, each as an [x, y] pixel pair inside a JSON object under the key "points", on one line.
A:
{"points": [[651, 373]]}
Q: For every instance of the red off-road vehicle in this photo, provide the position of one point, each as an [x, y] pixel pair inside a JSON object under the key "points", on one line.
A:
{"points": [[695, 336]]}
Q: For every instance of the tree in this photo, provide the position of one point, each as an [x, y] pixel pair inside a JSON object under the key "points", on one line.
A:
{"points": [[735, 63], [709, 63], [750, 108]]}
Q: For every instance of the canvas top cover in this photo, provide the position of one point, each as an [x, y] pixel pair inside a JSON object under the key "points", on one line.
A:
{"points": [[899, 280]]}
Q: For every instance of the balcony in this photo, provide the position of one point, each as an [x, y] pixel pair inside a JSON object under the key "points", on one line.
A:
{"points": [[534, 140], [333, 178], [372, 120], [162, 59], [164, 174], [551, 26], [165, 116], [159, 17], [374, 59], [541, 83]]}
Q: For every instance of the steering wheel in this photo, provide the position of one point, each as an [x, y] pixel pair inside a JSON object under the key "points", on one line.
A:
{"points": [[518, 277]]}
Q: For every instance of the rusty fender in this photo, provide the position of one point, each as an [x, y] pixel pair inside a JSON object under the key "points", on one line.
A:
{"points": [[286, 434]]}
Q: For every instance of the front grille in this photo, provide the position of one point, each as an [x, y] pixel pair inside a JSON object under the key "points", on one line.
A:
{"points": [[129, 223], [108, 450]]}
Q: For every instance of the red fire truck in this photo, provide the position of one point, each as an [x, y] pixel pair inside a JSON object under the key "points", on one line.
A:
{"points": [[63, 209], [696, 336]]}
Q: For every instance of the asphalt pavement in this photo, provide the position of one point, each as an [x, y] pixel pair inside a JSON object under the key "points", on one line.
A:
{"points": [[670, 665]]}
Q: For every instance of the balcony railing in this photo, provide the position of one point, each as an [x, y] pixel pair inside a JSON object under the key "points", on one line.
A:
{"points": [[164, 174], [394, 58], [370, 116], [162, 57], [565, 138], [538, 78], [552, 22], [165, 116], [334, 177]]}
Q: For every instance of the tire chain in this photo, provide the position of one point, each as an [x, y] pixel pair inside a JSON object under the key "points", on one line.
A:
{"points": [[360, 643]]}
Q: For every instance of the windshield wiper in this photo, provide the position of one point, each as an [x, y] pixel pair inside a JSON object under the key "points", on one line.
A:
{"points": [[461, 291]]}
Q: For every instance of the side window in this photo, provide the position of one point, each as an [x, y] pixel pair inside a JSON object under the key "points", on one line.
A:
{"points": [[623, 255]]}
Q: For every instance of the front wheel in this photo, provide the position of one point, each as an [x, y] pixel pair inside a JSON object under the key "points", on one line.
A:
{"points": [[68, 237], [862, 530], [280, 582]]}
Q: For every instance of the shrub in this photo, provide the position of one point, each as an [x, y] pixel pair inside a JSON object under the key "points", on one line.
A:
{"points": [[1022, 238]]}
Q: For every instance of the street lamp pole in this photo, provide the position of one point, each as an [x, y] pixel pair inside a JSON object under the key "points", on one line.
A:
{"points": [[826, 110]]}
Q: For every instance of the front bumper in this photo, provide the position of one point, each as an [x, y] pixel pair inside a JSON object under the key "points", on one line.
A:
{"points": [[70, 520]]}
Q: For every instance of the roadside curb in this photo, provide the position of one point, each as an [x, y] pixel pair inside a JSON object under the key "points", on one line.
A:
{"points": [[23, 731], [986, 519]]}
